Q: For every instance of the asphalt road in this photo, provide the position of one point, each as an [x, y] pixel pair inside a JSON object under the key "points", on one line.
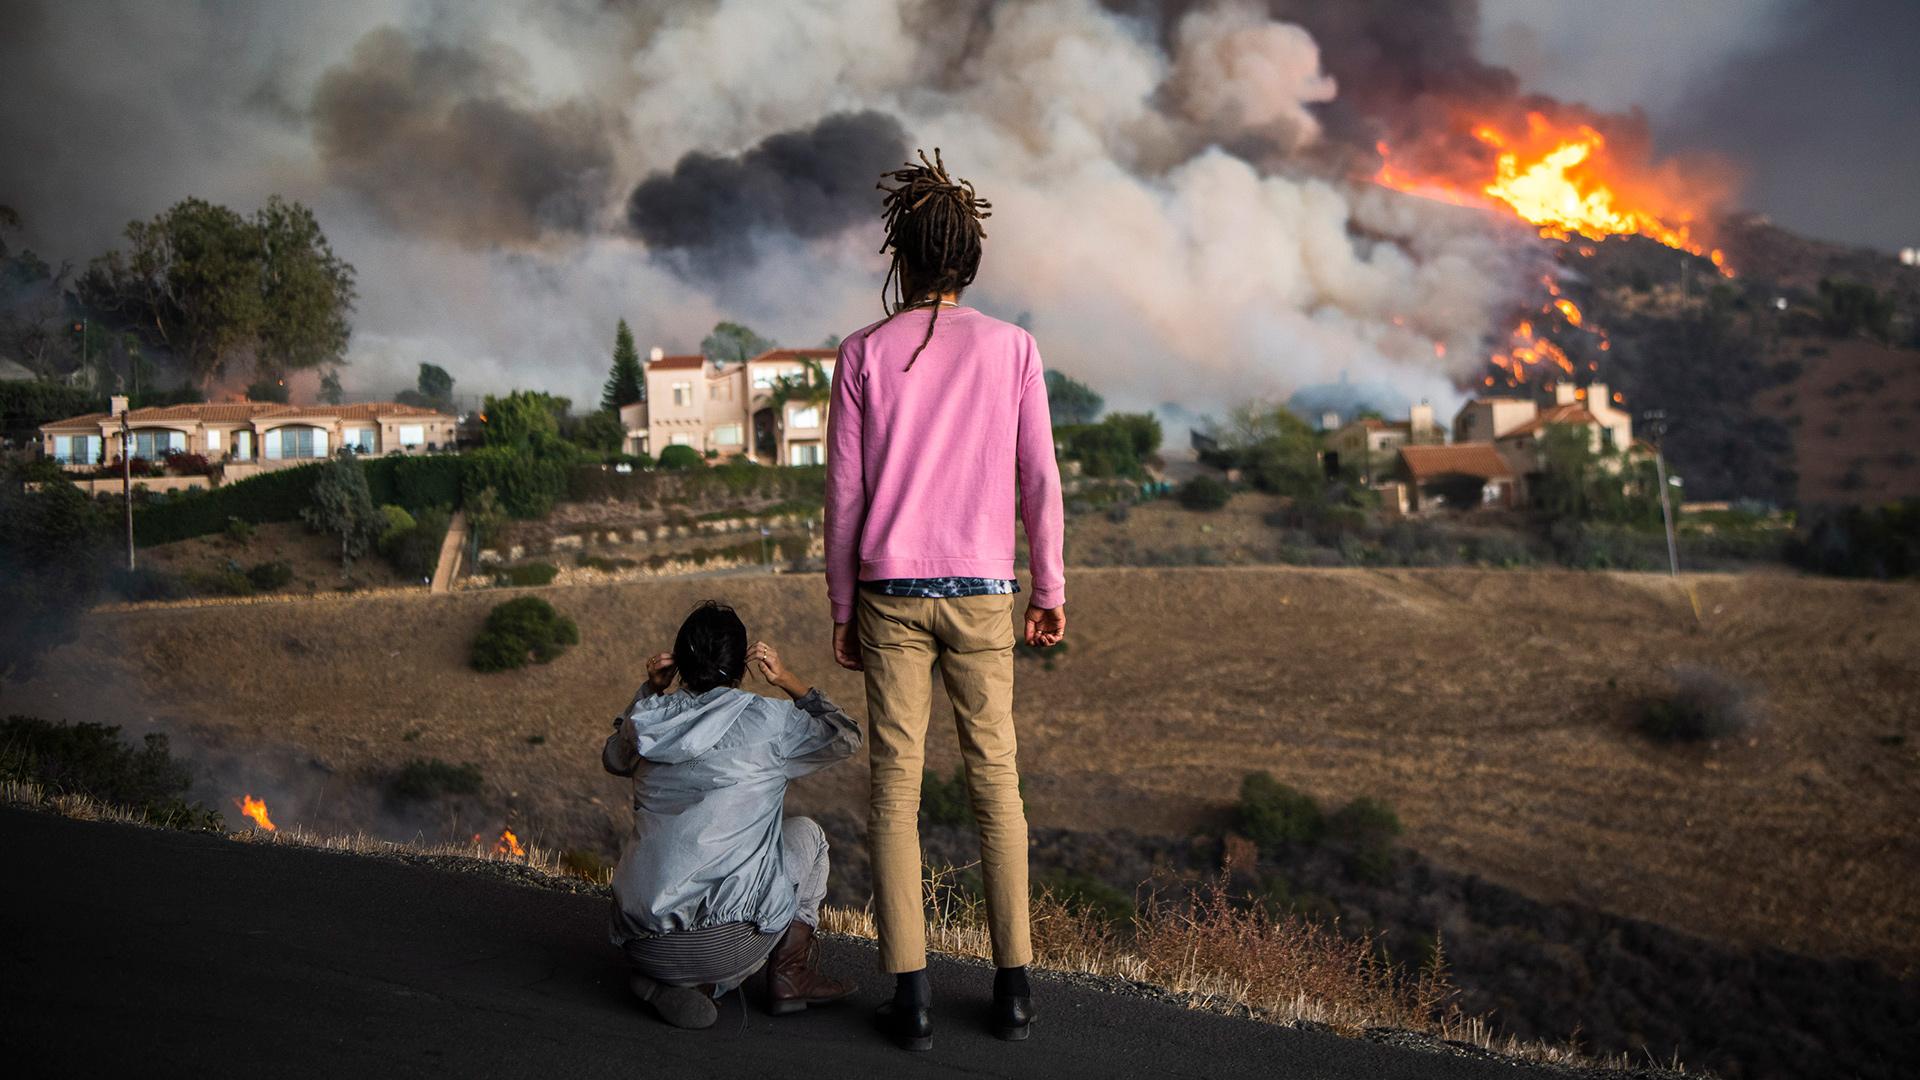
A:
{"points": [[149, 953]]}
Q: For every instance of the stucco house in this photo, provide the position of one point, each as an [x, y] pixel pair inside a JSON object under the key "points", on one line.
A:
{"points": [[729, 409], [246, 437], [1370, 445], [1459, 476]]}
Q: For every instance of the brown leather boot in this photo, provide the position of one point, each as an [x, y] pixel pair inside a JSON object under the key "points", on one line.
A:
{"points": [[792, 981]]}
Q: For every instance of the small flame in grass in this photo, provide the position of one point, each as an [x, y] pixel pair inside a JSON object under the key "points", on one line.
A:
{"points": [[256, 809], [509, 844]]}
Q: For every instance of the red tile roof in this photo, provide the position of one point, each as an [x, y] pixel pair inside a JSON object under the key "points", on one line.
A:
{"points": [[676, 363], [240, 412], [1575, 413], [796, 354], [1374, 423], [1459, 459]]}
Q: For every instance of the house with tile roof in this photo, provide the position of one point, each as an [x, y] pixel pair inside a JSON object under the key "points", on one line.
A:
{"points": [[1370, 444], [246, 437], [1454, 476], [723, 410]]}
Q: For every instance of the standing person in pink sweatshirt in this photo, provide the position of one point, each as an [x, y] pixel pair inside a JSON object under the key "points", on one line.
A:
{"points": [[938, 430]]}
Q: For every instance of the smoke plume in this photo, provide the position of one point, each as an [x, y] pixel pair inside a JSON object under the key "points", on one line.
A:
{"points": [[808, 183], [1174, 188]]}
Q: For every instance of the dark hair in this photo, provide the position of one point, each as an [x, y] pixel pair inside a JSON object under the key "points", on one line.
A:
{"points": [[934, 231], [711, 649]]}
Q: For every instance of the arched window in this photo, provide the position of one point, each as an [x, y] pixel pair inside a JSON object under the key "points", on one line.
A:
{"points": [[295, 442]]}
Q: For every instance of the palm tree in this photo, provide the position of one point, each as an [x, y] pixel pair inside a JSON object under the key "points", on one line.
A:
{"points": [[811, 387]]}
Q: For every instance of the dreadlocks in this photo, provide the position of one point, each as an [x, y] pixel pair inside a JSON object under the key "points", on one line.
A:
{"points": [[933, 229]]}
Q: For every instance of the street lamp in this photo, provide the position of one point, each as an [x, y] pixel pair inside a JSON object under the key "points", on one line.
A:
{"points": [[1658, 418]]}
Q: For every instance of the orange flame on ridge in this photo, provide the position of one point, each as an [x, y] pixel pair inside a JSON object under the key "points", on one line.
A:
{"points": [[256, 809], [509, 844]]}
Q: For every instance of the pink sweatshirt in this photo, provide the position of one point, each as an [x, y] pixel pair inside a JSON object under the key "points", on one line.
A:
{"points": [[923, 466]]}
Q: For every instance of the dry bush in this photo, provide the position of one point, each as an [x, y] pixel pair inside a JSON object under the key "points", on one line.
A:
{"points": [[1206, 946]]}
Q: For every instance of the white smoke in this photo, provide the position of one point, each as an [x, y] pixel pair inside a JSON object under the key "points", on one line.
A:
{"points": [[1151, 211]]}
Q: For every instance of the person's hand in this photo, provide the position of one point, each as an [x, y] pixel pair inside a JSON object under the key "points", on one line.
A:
{"points": [[660, 671], [762, 658], [846, 646], [1046, 627]]}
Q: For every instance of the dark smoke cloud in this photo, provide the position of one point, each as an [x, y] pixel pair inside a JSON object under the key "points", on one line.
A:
{"points": [[1825, 120], [428, 134], [807, 183]]}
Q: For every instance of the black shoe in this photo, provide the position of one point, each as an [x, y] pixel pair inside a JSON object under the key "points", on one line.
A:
{"points": [[1012, 1016], [910, 1029]]}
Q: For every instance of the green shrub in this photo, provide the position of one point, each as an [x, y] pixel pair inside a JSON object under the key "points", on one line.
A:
{"points": [[945, 801], [526, 575], [1365, 830], [146, 583], [268, 576], [415, 553], [1698, 705], [1204, 493], [520, 630], [680, 457], [606, 565], [1271, 814], [394, 521], [240, 530], [227, 581], [417, 482], [429, 778], [527, 485], [91, 759]]}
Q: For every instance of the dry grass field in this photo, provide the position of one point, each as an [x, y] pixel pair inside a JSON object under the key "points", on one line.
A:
{"points": [[1493, 709]]}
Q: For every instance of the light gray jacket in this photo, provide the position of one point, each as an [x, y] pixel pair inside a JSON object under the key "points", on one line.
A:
{"points": [[710, 776]]}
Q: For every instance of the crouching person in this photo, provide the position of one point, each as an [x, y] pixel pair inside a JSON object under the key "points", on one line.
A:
{"points": [[713, 885]]}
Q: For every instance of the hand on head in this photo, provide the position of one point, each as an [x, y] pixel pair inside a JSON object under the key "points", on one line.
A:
{"points": [[763, 658], [660, 671]]}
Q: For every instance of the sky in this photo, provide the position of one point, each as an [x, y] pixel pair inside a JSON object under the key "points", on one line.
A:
{"points": [[510, 178]]}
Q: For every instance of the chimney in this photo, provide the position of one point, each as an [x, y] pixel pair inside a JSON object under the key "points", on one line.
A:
{"points": [[1563, 393], [1419, 421], [117, 404], [1599, 400], [655, 353]]}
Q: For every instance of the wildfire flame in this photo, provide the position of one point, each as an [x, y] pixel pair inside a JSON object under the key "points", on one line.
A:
{"points": [[257, 810], [1560, 178], [508, 844]]}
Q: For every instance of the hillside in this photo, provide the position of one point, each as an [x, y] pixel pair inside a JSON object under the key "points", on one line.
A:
{"points": [[1492, 709]]}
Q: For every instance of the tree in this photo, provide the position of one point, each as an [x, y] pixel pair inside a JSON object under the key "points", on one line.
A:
{"points": [[343, 506], [1850, 307], [330, 389], [306, 289], [434, 390], [811, 387], [217, 289], [34, 327], [732, 343], [601, 431], [1072, 401], [53, 550], [1279, 452], [527, 420], [626, 383]]}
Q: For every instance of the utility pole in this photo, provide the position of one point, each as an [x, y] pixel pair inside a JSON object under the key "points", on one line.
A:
{"points": [[126, 479], [1659, 419]]}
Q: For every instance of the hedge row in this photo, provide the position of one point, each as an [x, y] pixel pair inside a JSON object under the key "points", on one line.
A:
{"points": [[697, 487], [414, 483]]}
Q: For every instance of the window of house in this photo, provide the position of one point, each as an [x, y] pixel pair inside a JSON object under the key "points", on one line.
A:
{"points": [[412, 434], [763, 379], [808, 417], [296, 442], [804, 454], [683, 393], [213, 440], [1606, 438], [727, 435], [243, 446], [76, 449], [154, 445], [680, 440]]}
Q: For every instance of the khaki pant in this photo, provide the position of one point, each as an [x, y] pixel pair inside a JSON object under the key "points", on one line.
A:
{"points": [[970, 638]]}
